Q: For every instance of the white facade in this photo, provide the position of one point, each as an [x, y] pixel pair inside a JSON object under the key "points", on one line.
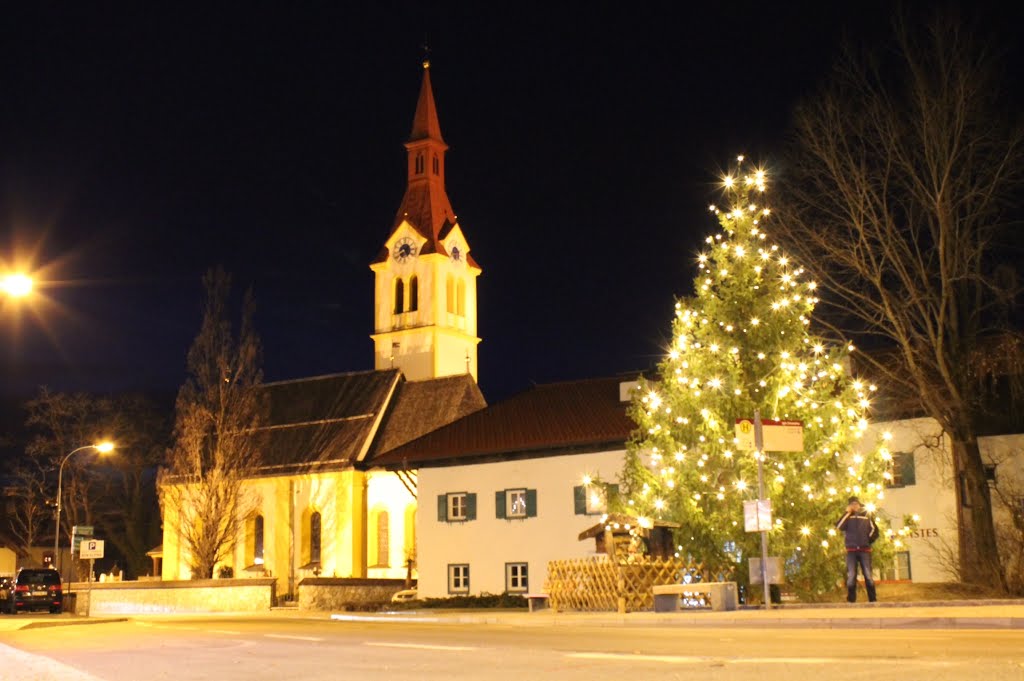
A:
{"points": [[489, 544], [932, 546]]}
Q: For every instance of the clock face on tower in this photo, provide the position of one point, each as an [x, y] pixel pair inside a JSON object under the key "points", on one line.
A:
{"points": [[456, 253], [404, 249]]}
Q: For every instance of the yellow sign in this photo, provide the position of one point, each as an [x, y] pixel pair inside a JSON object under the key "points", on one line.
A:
{"points": [[779, 436]]}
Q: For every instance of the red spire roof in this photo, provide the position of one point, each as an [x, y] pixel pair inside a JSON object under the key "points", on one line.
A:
{"points": [[425, 204], [425, 124]]}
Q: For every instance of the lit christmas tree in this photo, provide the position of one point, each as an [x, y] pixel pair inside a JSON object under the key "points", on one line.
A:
{"points": [[744, 343]]}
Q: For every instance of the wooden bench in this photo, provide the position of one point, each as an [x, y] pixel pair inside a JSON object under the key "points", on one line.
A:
{"points": [[723, 595], [536, 601]]}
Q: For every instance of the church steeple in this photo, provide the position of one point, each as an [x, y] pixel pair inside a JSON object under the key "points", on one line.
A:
{"points": [[425, 204], [425, 123], [425, 308]]}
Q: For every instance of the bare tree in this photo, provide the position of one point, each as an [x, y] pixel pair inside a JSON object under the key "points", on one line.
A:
{"points": [[898, 189], [29, 519], [216, 448], [116, 494]]}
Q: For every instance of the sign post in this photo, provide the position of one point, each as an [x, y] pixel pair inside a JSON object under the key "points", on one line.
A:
{"points": [[91, 549], [778, 436]]}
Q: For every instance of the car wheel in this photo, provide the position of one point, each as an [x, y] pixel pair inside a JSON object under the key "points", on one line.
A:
{"points": [[55, 610]]}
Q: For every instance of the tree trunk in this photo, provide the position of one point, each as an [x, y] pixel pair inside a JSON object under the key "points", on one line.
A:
{"points": [[979, 552]]}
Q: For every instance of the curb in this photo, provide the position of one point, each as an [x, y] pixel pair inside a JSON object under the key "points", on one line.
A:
{"points": [[44, 624], [691, 621]]}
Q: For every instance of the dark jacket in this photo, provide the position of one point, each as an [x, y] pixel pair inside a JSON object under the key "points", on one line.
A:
{"points": [[860, 530]]}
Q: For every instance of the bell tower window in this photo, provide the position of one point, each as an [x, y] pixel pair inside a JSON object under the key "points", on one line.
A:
{"points": [[437, 166], [461, 301], [450, 290], [419, 164], [414, 293], [399, 296]]}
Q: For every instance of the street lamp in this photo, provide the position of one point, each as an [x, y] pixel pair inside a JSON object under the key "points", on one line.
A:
{"points": [[102, 448], [16, 285]]}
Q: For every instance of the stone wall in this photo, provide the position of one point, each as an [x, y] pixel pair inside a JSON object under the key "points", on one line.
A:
{"points": [[199, 596], [330, 593]]}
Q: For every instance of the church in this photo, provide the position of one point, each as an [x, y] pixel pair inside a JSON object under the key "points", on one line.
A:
{"points": [[323, 508]]}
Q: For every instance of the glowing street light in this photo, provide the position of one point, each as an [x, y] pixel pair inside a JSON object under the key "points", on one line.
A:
{"points": [[103, 448], [16, 285]]}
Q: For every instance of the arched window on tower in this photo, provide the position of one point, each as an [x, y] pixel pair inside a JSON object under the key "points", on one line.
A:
{"points": [[414, 293], [419, 164], [462, 299], [450, 290], [437, 165], [399, 295]]}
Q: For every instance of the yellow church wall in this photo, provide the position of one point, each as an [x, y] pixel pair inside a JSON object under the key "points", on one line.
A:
{"points": [[287, 504], [387, 494]]}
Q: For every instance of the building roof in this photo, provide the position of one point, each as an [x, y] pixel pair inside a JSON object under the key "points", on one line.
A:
{"points": [[336, 421], [425, 124], [425, 204], [423, 406], [581, 416], [325, 420]]}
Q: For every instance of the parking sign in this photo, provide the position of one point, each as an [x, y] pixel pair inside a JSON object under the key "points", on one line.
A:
{"points": [[91, 548]]}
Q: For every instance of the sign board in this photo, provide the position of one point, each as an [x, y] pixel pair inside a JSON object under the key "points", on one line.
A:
{"points": [[757, 515], [779, 436], [775, 573], [91, 548], [78, 533]]}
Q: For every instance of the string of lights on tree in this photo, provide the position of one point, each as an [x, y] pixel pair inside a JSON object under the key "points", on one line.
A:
{"points": [[744, 341]]}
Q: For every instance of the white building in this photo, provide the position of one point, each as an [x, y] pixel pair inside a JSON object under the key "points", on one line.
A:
{"points": [[925, 485], [509, 488]]}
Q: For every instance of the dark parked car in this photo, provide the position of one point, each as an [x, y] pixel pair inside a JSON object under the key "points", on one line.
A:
{"points": [[35, 589]]}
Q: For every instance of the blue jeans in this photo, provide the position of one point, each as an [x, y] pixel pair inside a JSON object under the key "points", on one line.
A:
{"points": [[863, 558]]}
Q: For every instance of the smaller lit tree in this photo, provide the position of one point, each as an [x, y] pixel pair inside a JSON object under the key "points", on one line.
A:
{"points": [[742, 343]]}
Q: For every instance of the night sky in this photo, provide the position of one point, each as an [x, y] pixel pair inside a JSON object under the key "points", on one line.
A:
{"points": [[140, 146]]}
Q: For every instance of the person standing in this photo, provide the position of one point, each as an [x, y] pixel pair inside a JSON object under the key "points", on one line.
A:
{"points": [[861, 532]]}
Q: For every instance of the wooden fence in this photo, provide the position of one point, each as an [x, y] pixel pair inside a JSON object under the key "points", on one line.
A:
{"points": [[599, 584]]}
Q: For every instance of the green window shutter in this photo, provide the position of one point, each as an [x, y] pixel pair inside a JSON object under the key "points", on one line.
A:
{"points": [[470, 507], [499, 504], [579, 499], [611, 496], [442, 508], [908, 469], [531, 503]]}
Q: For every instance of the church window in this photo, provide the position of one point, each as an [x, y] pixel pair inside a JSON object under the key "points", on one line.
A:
{"points": [[451, 294], [461, 299], [314, 537], [414, 293], [257, 543], [383, 540], [437, 166], [419, 164], [399, 296]]}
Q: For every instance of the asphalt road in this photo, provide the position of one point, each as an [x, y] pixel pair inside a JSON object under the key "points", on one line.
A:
{"points": [[274, 647]]}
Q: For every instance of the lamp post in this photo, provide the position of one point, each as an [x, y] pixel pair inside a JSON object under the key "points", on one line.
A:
{"points": [[102, 448]]}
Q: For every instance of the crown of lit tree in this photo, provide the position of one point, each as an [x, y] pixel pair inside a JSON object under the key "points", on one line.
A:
{"points": [[743, 343]]}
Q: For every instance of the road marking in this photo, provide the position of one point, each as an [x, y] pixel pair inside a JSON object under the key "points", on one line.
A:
{"points": [[293, 638], [378, 618], [695, 659], [224, 631], [419, 646]]}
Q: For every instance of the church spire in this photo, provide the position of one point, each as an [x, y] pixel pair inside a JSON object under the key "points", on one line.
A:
{"points": [[425, 124], [425, 204]]}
